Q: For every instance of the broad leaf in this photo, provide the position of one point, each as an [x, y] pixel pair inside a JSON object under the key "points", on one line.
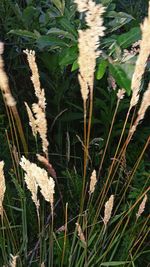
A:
{"points": [[127, 39], [60, 5], [101, 69], [68, 56], [47, 41], [23, 33], [67, 26], [59, 32], [120, 77], [75, 65], [120, 18]]}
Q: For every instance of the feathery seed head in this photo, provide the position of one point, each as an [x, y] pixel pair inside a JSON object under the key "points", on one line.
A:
{"points": [[142, 110], [40, 178], [141, 61], [80, 233], [108, 210], [39, 123], [120, 94], [32, 121], [81, 5], [13, 260], [141, 207], [4, 83], [88, 43], [93, 182]]}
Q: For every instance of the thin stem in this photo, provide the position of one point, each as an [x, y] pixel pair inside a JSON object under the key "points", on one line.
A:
{"points": [[65, 235], [86, 150], [108, 138]]}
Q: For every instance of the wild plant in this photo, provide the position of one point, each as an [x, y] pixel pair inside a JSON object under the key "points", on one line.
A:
{"points": [[108, 229]]}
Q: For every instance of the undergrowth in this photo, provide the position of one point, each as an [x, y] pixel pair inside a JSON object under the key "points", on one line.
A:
{"points": [[90, 207]]}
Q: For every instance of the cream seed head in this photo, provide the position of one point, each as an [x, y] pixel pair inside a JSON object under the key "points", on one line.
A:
{"points": [[32, 121], [40, 178], [88, 43], [144, 52], [80, 233], [93, 182], [4, 82], [13, 260], [108, 210], [37, 121], [141, 207], [120, 94]]}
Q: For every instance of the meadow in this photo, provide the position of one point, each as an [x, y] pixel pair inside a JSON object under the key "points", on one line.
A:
{"points": [[74, 133]]}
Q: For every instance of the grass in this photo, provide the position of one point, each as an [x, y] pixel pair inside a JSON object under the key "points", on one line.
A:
{"points": [[95, 227]]}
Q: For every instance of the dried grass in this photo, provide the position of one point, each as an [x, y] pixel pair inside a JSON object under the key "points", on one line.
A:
{"points": [[142, 110], [93, 182], [80, 233], [88, 43], [39, 177], [141, 61], [108, 210], [141, 207], [37, 121], [4, 83], [13, 260], [2, 187]]}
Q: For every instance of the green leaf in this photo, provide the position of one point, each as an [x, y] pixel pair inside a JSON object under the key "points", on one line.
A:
{"points": [[101, 69], [75, 65], [60, 5], [50, 61], [68, 56], [128, 68], [127, 39], [66, 24], [23, 33], [120, 18], [59, 32], [106, 2], [114, 263], [29, 14], [120, 77], [45, 41]]}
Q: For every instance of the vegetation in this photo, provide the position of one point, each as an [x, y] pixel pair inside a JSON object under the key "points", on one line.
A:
{"points": [[74, 161]]}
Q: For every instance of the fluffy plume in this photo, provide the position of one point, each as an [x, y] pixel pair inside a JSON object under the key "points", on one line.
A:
{"points": [[142, 110], [93, 182], [80, 233], [88, 43], [39, 177], [108, 210], [120, 94], [2, 187], [38, 121], [48, 166], [32, 121], [82, 5], [30, 180], [141, 207], [13, 260], [4, 83], [141, 61]]}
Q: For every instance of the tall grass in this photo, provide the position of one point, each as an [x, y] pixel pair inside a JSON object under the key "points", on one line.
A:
{"points": [[108, 229]]}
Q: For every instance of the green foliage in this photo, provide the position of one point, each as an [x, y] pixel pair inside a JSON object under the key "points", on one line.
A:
{"points": [[51, 29]]}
